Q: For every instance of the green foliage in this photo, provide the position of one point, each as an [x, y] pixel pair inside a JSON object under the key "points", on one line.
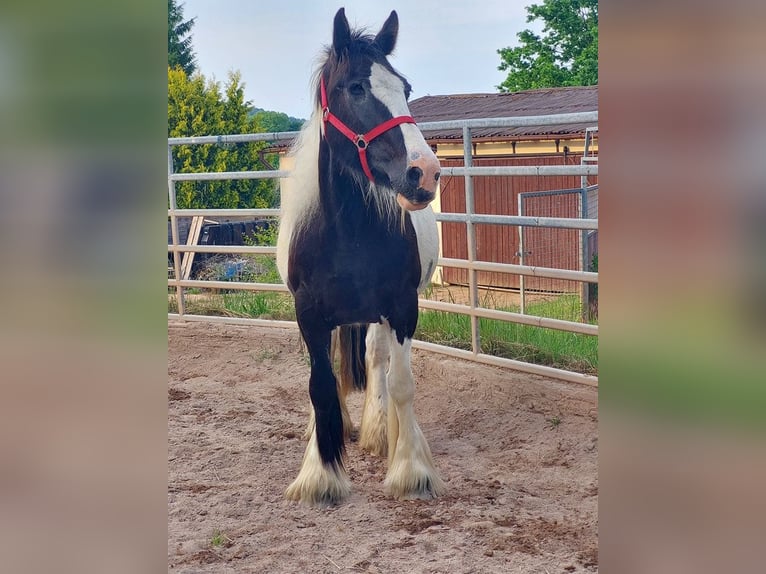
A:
{"points": [[268, 121], [198, 107], [264, 235], [553, 422], [180, 53], [275, 306], [566, 54], [274, 122], [220, 539]]}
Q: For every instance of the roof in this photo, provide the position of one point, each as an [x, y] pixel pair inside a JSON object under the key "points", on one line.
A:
{"points": [[539, 102]]}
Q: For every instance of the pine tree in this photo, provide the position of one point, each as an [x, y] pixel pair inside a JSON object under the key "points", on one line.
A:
{"points": [[180, 54], [198, 107]]}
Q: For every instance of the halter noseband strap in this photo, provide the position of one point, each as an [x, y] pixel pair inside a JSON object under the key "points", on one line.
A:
{"points": [[362, 141]]}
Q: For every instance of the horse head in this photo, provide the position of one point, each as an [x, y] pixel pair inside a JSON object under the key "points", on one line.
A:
{"points": [[367, 122]]}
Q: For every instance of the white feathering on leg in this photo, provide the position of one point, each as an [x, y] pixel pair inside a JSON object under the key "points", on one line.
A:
{"points": [[411, 470], [372, 433], [317, 483]]}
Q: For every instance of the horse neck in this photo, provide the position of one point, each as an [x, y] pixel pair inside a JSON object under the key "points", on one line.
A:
{"points": [[343, 197]]}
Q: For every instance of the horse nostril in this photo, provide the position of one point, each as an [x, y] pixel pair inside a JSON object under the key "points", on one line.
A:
{"points": [[414, 174], [436, 176]]}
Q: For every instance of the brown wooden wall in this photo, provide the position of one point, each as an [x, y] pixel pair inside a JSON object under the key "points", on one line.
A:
{"points": [[557, 248]]}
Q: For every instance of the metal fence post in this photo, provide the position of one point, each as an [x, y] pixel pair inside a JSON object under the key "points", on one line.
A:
{"points": [[174, 234], [473, 287], [584, 287]]}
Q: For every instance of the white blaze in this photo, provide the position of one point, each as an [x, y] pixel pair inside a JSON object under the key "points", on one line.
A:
{"points": [[389, 90]]}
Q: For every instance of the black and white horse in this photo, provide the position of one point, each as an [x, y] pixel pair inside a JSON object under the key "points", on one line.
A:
{"points": [[357, 242]]}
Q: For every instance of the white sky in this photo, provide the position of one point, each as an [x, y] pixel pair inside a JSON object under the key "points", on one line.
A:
{"points": [[444, 47]]}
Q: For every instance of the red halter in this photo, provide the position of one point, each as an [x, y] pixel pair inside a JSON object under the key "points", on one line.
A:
{"points": [[360, 140]]}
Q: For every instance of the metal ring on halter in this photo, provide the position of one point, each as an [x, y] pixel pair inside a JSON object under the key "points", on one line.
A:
{"points": [[361, 143]]}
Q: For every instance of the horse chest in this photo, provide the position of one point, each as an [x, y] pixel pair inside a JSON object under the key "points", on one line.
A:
{"points": [[354, 277], [373, 262]]}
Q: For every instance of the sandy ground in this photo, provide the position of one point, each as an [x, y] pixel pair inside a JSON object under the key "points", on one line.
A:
{"points": [[518, 454]]}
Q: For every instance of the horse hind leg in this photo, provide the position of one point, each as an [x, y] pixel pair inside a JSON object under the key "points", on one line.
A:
{"points": [[411, 470], [372, 433], [352, 376]]}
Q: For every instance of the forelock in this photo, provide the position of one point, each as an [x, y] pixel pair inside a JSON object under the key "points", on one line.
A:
{"points": [[362, 44]]}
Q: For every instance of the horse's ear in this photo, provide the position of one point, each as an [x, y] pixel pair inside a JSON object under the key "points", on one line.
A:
{"points": [[341, 33], [386, 38]]}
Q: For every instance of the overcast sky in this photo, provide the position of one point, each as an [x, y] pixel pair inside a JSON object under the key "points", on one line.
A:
{"points": [[444, 47]]}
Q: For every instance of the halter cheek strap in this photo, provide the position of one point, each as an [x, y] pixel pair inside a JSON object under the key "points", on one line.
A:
{"points": [[362, 141]]}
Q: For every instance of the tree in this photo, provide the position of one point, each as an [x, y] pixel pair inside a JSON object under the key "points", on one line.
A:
{"points": [[180, 52], [566, 54], [198, 107], [268, 121]]}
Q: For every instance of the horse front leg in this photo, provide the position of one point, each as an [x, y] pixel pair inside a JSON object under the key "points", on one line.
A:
{"points": [[322, 479], [343, 391], [411, 470]]}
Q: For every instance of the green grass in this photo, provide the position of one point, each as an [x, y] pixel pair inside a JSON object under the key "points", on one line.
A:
{"points": [[263, 305], [553, 422], [220, 539], [567, 307], [561, 349]]}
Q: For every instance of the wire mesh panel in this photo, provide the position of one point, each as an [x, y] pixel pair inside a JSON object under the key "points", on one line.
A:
{"points": [[550, 247], [591, 209]]}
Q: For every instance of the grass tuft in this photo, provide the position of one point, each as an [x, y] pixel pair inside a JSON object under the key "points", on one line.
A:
{"points": [[220, 540]]}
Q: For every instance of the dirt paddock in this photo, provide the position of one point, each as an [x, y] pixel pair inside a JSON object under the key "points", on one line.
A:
{"points": [[518, 454]]}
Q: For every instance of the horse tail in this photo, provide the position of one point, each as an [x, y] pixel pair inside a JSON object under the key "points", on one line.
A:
{"points": [[352, 346]]}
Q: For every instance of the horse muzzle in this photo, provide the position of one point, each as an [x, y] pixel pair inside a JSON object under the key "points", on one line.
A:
{"points": [[422, 182], [416, 201]]}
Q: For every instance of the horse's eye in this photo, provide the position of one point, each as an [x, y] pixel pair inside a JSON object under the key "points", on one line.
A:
{"points": [[356, 89]]}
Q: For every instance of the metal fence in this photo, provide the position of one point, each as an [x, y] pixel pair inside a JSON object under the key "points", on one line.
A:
{"points": [[473, 308]]}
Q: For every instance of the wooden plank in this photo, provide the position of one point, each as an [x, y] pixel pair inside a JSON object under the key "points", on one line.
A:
{"points": [[194, 232]]}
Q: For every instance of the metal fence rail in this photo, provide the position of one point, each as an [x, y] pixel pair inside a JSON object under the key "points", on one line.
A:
{"points": [[471, 219]]}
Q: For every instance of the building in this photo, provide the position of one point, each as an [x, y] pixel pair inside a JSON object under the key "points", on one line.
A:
{"points": [[548, 196]]}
